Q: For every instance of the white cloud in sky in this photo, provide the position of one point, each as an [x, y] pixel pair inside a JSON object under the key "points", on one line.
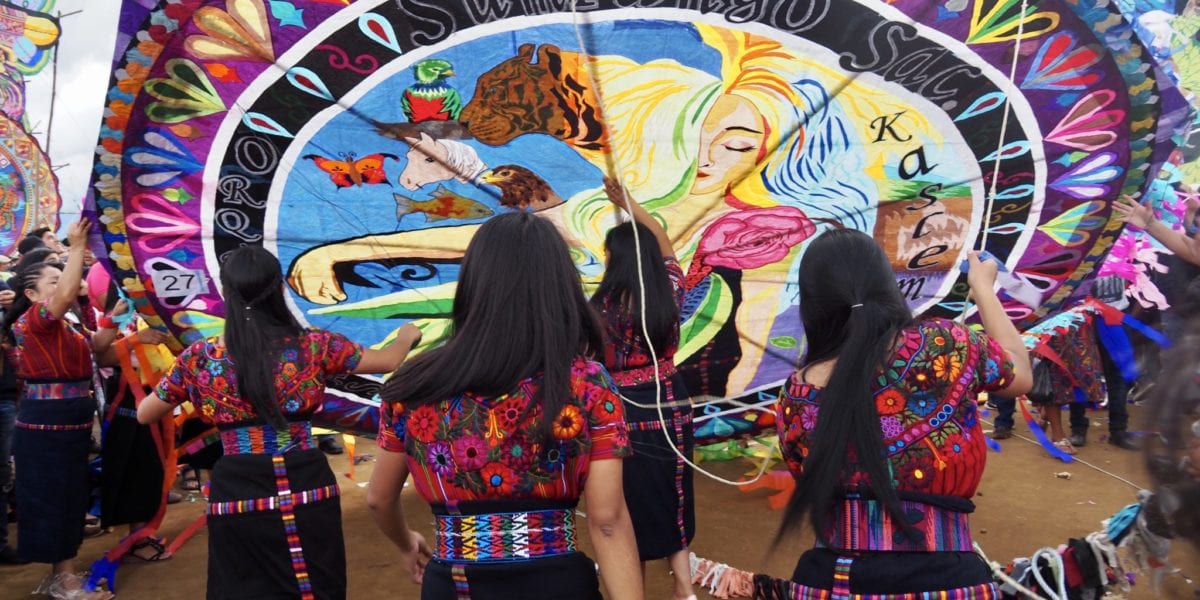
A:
{"points": [[84, 66]]}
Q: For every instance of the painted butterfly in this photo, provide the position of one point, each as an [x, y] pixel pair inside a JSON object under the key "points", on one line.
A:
{"points": [[354, 172]]}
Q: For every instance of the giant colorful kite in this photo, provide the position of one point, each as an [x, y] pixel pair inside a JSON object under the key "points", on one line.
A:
{"points": [[28, 187], [363, 144]]}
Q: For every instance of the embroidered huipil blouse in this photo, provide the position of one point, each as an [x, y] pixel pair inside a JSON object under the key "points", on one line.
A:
{"points": [[927, 409], [51, 348], [475, 448], [625, 348], [204, 375]]}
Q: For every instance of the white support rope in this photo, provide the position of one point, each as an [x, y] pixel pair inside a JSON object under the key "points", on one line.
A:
{"points": [[637, 244], [990, 199]]}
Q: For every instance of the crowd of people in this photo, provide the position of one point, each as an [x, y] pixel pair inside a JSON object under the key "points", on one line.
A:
{"points": [[540, 397]]}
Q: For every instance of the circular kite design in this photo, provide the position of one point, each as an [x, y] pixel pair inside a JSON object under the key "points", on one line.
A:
{"points": [[364, 144], [28, 187]]}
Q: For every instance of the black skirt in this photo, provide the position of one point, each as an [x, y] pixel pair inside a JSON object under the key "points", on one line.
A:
{"points": [[658, 484], [249, 554], [131, 471], [52, 476]]}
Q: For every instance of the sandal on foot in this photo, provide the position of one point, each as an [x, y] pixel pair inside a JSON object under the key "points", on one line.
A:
{"points": [[158, 550], [1065, 446]]}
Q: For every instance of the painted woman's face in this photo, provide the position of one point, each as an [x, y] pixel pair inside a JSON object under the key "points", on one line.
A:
{"points": [[731, 139]]}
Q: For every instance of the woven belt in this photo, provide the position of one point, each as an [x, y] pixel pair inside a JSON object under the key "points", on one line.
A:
{"points": [[264, 439], [45, 427], [500, 537], [866, 525], [126, 412], [57, 390], [640, 375], [238, 507], [656, 425], [983, 591]]}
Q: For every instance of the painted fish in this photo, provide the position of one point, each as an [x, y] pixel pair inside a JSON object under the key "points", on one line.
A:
{"points": [[443, 204]]}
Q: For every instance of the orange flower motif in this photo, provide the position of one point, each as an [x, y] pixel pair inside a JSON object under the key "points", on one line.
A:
{"points": [[947, 366], [117, 115], [134, 75], [889, 402], [568, 423]]}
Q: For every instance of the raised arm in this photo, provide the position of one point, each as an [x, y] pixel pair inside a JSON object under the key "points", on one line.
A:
{"points": [[619, 196], [388, 358], [1178, 242], [982, 278], [72, 275]]}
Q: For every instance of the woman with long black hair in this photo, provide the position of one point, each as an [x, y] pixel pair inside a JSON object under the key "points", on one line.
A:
{"points": [[504, 428], [55, 417], [274, 519], [658, 482], [879, 427]]}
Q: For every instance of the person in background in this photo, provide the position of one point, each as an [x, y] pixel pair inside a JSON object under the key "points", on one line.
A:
{"points": [[506, 425], [658, 483], [55, 416], [131, 470], [48, 239], [1173, 411], [274, 517], [879, 427], [8, 419], [29, 243], [1111, 291]]}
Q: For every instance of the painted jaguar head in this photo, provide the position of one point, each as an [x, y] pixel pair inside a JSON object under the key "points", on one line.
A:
{"points": [[550, 96]]}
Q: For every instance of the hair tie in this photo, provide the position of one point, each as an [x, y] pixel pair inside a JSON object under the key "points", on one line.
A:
{"points": [[859, 305]]}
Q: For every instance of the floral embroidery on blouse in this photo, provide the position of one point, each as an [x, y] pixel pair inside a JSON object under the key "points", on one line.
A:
{"points": [[625, 347], [204, 375], [925, 398], [471, 448]]}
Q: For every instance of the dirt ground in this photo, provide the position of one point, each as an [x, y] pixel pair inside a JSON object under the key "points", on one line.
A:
{"points": [[1022, 506]]}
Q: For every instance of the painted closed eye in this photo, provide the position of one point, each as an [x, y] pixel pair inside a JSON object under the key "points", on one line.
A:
{"points": [[737, 148], [430, 159]]}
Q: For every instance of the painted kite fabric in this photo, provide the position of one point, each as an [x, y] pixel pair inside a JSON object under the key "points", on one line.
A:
{"points": [[363, 144], [29, 196]]}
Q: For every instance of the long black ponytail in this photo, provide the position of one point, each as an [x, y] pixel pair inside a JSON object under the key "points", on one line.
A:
{"points": [[620, 284], [257, 321], [853, 311]]}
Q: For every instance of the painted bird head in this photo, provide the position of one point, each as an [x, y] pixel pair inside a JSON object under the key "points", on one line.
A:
{"points": [[520, 187], [432, 70]]}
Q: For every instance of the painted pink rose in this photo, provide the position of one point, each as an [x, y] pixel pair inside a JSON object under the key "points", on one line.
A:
{"points": [[754, 238]]}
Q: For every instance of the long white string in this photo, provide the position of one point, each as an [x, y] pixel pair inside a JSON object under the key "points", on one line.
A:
{"points": [[637, 244], [990, 199]]}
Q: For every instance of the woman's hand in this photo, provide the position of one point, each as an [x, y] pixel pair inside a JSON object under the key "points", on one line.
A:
{"points": [[152, 337], [1133, 213], [981, 274], [414, 559], [409, 333], [78, 234], [617, 194]]}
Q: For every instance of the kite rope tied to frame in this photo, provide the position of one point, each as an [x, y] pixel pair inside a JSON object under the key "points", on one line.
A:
{"points": [[990, 199], [615, 170]]}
